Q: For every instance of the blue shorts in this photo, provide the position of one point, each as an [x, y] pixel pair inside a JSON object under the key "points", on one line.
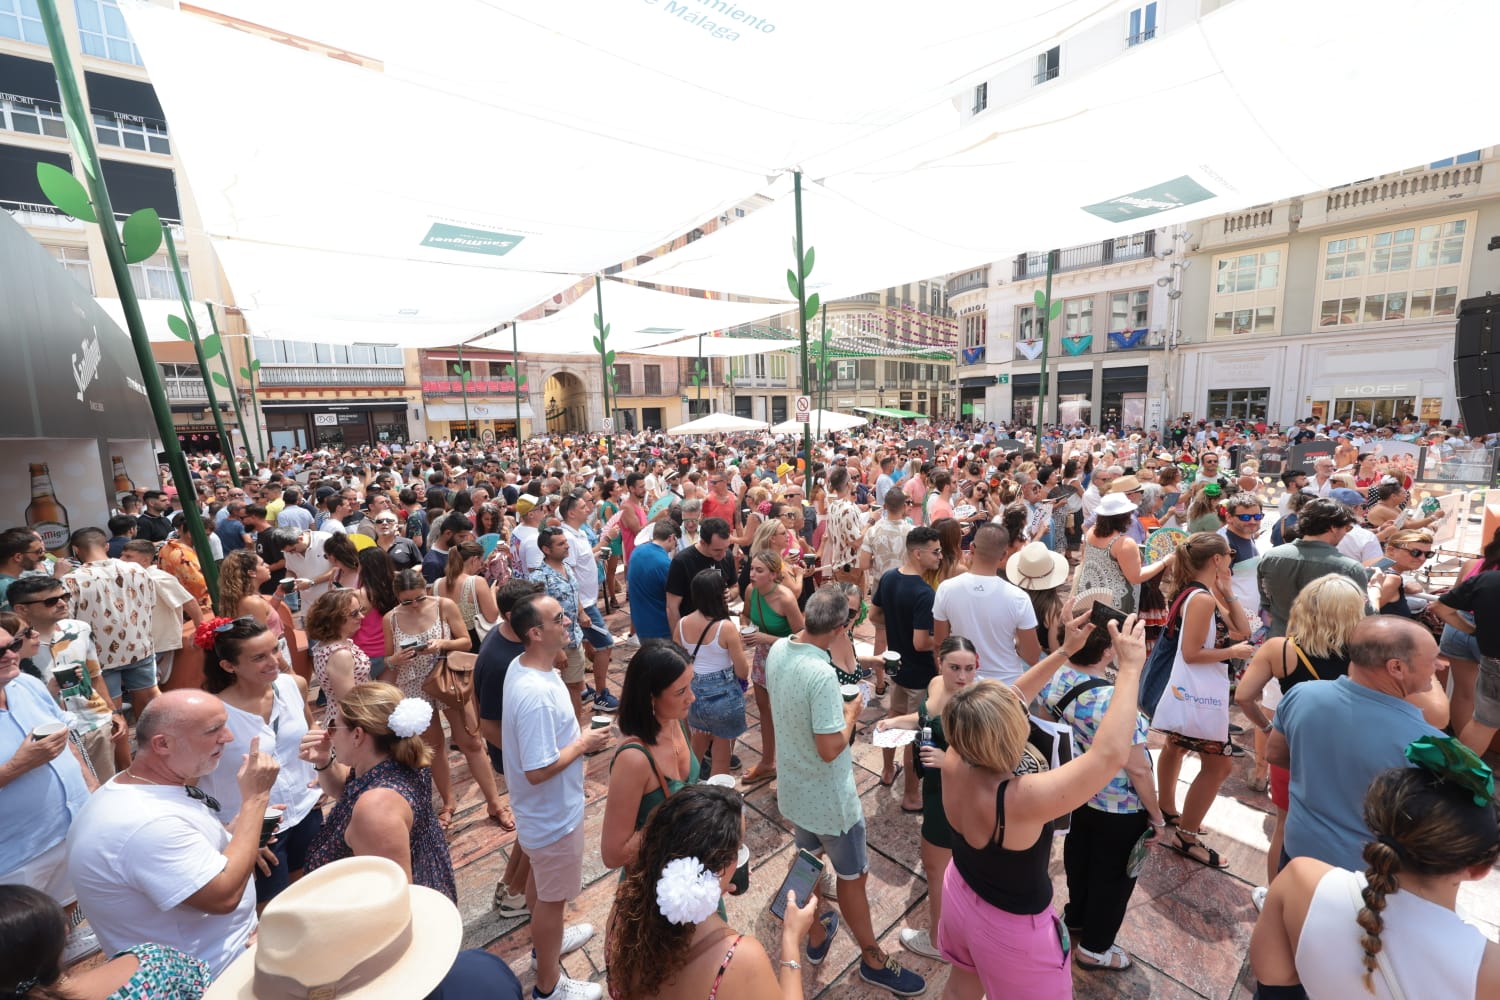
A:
{"points": [[718, 707], [846, 852], [137, 676], [596, 633], [1459, 644]]}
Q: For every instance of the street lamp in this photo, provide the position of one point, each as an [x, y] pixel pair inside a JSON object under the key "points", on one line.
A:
{"points": [[881, 392]]}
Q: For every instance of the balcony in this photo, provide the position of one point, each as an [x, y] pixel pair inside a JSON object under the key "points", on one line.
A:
{"points": [[180, 390], [330, 376], [477, 387], [1127, 248], [1395, 192], [1139, 37], [969, 281]]}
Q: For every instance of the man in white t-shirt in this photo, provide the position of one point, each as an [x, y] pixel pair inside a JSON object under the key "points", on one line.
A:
{"points": [[149, 855], [988, 610], [306, 561], [1359, 543], [523, 537], [543, 750]]}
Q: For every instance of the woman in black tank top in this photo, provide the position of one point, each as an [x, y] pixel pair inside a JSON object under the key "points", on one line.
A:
{"points": [[1004, 938]]}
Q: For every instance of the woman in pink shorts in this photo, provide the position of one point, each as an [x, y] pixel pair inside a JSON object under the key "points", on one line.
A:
{"points": [[998, 929]]}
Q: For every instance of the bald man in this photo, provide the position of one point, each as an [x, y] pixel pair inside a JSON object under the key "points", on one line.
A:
{"points": [[150, 856]]}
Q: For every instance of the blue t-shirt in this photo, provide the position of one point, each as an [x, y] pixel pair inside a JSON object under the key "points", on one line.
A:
{"points": [[1341, 734], [37, 808], [646, 581], [478, 975], [434, 564], [231, 535], [906, 601]]}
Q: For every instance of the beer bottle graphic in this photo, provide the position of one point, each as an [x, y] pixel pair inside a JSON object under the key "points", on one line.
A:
{"points": [[45, 515], [123, 485]]}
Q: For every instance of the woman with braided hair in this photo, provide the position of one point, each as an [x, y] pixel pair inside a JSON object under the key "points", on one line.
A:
{"points": [[1435, 827]]}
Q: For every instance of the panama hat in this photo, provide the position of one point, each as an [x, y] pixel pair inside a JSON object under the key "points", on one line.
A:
{"points": [[1125, 484], [1036, 567], [354, 929]]}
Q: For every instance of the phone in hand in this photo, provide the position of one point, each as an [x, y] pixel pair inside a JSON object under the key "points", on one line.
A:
{"points": [[411, 644], [802, 880], [1386, 563], [1102, 614]]}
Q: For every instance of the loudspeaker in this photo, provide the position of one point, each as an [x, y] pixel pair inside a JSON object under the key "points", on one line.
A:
{"points": [[1476, 369]]}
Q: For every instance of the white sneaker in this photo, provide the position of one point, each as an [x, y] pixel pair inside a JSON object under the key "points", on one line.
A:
{"points": [[1258, 896], [920, 941], [575, 936], [81, 944], [631, 641], [568, 988]]}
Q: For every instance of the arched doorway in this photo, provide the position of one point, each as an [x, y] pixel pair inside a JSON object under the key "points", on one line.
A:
{"points": [[566, 402]]}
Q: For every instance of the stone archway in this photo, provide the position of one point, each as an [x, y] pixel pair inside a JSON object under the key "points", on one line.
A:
{"points": [[565, 403]]}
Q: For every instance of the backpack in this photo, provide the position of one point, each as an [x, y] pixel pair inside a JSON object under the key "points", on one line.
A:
{"points": [[1158, 669]]}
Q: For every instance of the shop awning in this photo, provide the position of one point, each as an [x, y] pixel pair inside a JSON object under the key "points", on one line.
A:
{"points": [[891, 412], [488, 410]]}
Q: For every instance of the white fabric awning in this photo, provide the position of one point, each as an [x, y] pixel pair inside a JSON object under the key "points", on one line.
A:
{"points": [[488, 410], [821, 422], [717, 423], [155, 313]]}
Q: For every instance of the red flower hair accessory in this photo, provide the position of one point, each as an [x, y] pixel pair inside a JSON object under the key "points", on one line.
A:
{"points": [[205, 634]]}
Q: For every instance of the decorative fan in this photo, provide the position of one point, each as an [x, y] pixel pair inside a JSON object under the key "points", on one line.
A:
{"points": [[1029, 349], [1162, 542]]}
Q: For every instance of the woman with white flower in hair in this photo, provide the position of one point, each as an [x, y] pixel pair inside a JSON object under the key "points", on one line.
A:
{"points": [[373, 760], [666, 940]]}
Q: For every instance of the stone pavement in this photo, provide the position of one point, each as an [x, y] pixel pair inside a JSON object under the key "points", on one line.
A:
{"points": [[1188, 927]]}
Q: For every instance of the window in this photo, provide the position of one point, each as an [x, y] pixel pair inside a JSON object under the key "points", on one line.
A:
{"points": [[75, 260], [131, 132], [847, 370], [1394, 275], [776, 366], [21, 20], [1129, 310], [102, 31], [1142, 25], [974, 330], [154, 278], [1078, 317], [1470, 157], [1026, 323], [622, 380], [651, 377], [1238, 404], [1247, 292], [292, 352], [778, 409], [22, 114], [1047, 64], [981, 97]]}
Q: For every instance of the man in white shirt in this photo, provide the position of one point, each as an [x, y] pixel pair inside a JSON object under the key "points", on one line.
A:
{"points": [[1359, 543], [1099, 484], [172, 602], [306, 561], [574, 511], [1322, 480], [991, 612], [149, 855], [543, 749], [523, 537]]}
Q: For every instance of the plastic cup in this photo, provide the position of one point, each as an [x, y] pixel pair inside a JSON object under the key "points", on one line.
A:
{"points": [[849, 691], [47, 729], [741, 878], [748, 631], [268, 825], [892, 661], [601, 722], [722, 780]]}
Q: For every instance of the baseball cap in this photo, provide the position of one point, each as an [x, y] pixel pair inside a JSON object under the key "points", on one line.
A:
{"points": [[1348, 497], [524, 503]]}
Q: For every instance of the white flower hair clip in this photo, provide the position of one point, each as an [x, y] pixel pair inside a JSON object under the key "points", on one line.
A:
{"points": [[687, 892], [410, 718]]}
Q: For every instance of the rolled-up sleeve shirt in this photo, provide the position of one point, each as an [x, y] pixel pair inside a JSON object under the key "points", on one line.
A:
{"points": [[37, 808]]}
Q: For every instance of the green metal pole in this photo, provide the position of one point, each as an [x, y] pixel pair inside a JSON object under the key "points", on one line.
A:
{"points": [[253, 364], [698, 371], [234, 397], [603, 358], [515, 367], [823, 382], [463, 385], [802, 327], [208, 382], [81, 134], [1045, 318]]}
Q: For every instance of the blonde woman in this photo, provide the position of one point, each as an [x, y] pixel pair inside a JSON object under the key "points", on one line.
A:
{"points": [[1408, 549], [771, 608]]}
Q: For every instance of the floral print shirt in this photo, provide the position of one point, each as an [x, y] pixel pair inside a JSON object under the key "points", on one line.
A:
{"points": [[117, 600]]}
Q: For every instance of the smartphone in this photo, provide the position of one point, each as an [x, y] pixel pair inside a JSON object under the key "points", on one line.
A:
{"points": [[1384, 564], [802, 879], [413, 644], [1102, 614]]}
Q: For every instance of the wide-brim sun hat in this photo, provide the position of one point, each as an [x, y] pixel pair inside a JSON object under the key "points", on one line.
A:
{"points": [[1036, 567], [1114, 503], [354, 929]]}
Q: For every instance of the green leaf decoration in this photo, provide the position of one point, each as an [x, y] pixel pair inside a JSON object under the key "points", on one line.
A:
{"points": [[807, 262], [1056, 310], [179, 328], [598, 346], [812, 306], [142, 235], [211, 346], [219, 379], [596, 321], [605, 334], [1040, 299], [609, 357], [521, 384], [255, 366], [244, 373], [65, 191], [793, 283]]}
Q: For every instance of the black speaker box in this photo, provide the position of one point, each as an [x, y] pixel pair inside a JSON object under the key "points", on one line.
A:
{"points": [[1476, 367]]}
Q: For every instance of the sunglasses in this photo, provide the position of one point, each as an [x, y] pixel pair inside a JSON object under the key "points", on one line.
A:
{"points": [[358, 612], [385, 520], [199, 795], [1423, 554], [559, 618], [1250, 517], [412, 600], [50, 602], [223, 627]]}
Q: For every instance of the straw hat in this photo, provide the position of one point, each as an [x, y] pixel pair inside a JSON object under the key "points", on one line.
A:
{"points": [[1125, 484], [354, 929], [1036, 567], [1114, 503]]}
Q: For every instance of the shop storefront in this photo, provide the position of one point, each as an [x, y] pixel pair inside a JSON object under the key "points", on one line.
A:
{"points": [[1123, 396], [302, 426], [971, 393], [496, 417]]}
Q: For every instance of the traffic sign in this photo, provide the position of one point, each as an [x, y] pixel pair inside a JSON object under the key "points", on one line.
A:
{"points": [[804, 409], [609, 425]]}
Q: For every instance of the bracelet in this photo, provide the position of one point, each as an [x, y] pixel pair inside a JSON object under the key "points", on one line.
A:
{"points": [[787, 964], [332, 756]]}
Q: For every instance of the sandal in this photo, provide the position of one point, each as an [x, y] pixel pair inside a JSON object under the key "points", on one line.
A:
{"points": [[894, 775], [1259, 782], [1113, 960], [880, 688], [1186, 847], [1170, 817], [506, 821], [755, 776], [445, 817]]}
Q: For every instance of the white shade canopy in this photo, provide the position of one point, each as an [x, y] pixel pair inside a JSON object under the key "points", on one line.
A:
{"points": [[155, 312], [717, 423], [821, 422]]}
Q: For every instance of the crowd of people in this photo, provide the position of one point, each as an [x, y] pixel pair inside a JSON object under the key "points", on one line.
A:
{"points": [[1014, 615]]}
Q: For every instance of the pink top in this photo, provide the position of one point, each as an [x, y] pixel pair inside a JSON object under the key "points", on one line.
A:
{"points": [[371, 634]]}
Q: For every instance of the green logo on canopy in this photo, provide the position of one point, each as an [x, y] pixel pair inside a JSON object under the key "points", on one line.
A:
{"points": [[1161, 197], [448, 237]]}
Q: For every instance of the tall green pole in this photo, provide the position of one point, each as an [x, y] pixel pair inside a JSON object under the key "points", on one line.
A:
{"points": [[80, 133], [515, 367], [463, 383], [234, 397], [208, 382], [255, 417], [823, 382], [1045, 317], [802, 328], [604, 366]]}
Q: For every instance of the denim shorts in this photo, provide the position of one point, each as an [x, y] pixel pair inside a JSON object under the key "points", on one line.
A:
{"points": [[137, 676], [846, 852], [596, 632], [1487, 693], [718, 707], [1459, 644]]}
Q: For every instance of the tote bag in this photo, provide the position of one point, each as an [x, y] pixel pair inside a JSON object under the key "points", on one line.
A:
{"points": [[1196, 701]]}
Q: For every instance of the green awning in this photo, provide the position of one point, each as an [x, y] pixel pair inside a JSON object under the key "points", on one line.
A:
{"points": [[891, 412]]}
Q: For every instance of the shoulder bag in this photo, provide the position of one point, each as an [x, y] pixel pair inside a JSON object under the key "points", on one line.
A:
{"points": [[1158, 669], [451, 684]]}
